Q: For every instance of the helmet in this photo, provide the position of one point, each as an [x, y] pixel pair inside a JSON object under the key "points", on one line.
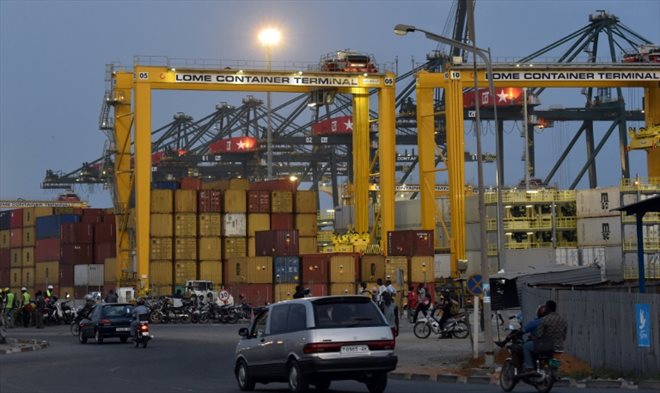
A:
{"points": [[23, 289], [88, 297], [50, 287]]}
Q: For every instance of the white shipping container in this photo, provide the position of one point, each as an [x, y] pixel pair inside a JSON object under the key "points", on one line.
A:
{"points": [[598, 202], [407, 213], [601, 231], [442, 265], [88, 275], [234, 225], [590, 256], [473, 237], [567, 256], [472, 209]]}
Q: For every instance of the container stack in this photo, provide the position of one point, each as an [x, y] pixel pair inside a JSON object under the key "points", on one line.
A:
{"points": [[344, 270], [58, 250], [161, 240], [5, 253], [411, 258], [185, 236], [209, 207], [315, 274]]}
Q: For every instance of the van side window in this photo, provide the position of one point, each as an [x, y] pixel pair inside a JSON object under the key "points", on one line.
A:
{"points": [[297, 317], [278, 317], [259, 328]]}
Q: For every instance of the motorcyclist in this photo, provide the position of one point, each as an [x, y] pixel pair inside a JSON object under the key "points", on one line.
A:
{"points": [[87, 308], [140, 313], [549, 335]]}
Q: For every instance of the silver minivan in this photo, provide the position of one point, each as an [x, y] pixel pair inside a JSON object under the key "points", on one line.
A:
{"points": [[313, 341]]}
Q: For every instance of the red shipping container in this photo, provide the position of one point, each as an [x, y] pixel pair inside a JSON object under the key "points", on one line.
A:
{"points": [[16, 219], [79, 292], [240, 144], [91, 218], [191, 183], [93, 212], [258, 201], [209, 201], [109, 217], [342, 125], [423, 242], [77, 232], [4, 277], [5, 258], [314, 268], [254, 294], [47, 250], [283, 221], [410, 242], [316, 289], [66, 277], [16, 237], [76, 254], [275, 185], [105, 232], [276, 243], [103, 251]]}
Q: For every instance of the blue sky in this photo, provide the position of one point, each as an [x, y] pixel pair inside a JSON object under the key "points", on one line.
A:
{"points": [[53, 56]]}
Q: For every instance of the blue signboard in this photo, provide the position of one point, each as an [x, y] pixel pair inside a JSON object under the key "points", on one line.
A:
{"points": [[642, 319], [474, 284]]}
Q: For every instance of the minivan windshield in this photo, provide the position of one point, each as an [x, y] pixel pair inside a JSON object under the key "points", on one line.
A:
{"points": [[346, 312]]}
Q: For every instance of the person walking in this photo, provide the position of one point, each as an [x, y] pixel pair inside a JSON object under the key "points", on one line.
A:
{"points": [[423, 301], [40, 306], [362, 290], [10, 307], [26, 306], [300, 292], [391, 312]]}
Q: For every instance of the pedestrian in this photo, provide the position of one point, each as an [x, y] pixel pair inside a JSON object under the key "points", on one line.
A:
{"points": [[40, 306], [26, 306], [390, 288], [300, 292], [423, 301], [391, 312], [412, 301], [362, 290], [111, 297], [380, 289], [548, 336]]}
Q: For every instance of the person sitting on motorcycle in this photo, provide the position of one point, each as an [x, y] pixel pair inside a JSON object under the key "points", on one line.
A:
{"points": [[87, 308], [530, 327], [548, 336], [444, 304], [140, 313]]}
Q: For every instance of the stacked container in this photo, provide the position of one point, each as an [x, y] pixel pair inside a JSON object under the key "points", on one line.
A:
{"points": [[161, 241], [209, 207], [314, 272], [306, 221], [344, 270], [58, 250], [185, 236], [5, 253]]}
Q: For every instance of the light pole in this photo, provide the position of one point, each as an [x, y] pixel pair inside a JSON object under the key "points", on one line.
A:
{"points": [[484, 54], [268, 38]]}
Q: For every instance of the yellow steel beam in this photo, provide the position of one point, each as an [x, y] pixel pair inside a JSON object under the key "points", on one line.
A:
{"points": [[361, 161], [142, 178], [426, 148], [387, 153]]}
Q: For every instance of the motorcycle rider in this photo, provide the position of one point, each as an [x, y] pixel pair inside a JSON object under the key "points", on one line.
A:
{"points": [[140, 313], [10, 300], [27, 306], [548, 336], [49, 292], [87, 308]]}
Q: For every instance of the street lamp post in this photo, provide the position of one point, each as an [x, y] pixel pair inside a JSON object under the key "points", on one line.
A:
{"points": [[484, 54], [269, 37]]}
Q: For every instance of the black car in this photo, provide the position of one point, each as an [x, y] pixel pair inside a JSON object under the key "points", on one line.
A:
{"points": [[107, 321]]}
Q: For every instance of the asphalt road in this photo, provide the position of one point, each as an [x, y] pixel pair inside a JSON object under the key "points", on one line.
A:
{"points": [[181, 358]]}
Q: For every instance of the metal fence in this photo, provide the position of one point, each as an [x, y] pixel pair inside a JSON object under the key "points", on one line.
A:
{"points": [[602, 327]]}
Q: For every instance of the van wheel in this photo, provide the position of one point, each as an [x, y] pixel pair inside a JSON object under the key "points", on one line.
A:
{"points": [[297, 381], [377, 383], [245, 383]]}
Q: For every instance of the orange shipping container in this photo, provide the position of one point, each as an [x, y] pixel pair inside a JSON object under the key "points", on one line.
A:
{"points": [[185, 248], [306, 224], [160, 273], [161, 225], [306, 202], [422, 269], [160, 248], [216, 185], [27, 256], [212, 271], [252, 247], [239, 184], [283, 292], [281, 202], [28, 277], [162, 201], [372, 267], [257, 222], [342, 289], [63, 291], [209, 248], [185, 201], [29, 237], [396, 267], [161, 290], [4, 238], [342, 269], [235, 270], [47, 273], [308, 245], [184, 271], [235, 201], [110, 270], [234, 247], [210, 224], [185, 225], [16, 255], [259, 270], [30, 215], [15, 279]]}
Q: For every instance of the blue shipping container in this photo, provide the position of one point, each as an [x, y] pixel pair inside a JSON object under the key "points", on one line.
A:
{"points": [[165, 185], [286, 270], [49, 226], [5, 217]]}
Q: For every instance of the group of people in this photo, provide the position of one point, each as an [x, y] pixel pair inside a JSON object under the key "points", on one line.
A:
{"points": [[420, 300], [24, 307]]}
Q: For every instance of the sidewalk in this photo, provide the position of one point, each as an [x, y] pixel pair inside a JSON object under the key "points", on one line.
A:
{"points": [[14, 345]]}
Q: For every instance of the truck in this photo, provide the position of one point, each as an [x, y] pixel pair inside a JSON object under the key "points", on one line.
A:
{"points": [[202, 287]]}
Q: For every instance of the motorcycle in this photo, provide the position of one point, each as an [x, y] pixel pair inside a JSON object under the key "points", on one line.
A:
{"points": [[542, 377], [142, 335], [455, 326], [168, 313]]}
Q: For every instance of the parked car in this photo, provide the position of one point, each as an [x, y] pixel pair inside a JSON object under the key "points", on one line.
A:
{"points": [[107, 321], [315, 341]]}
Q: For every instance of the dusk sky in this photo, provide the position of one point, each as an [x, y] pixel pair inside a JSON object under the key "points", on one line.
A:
{"points": [[53, 56]]}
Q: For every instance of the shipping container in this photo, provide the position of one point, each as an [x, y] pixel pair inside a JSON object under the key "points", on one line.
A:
{"points": [[257, 222], [185, 201], [343, 288], [5, 235], [4, 277], [276, 243], [29, 238], [16, 257], [275, 185], [49, 226], [5, 258], [91, 219], [47, 249], [27, 257], [162, 201], [306, 224], [76, 211], [306, 202], [161, 273], [210, 248], [27, 280], [286, 270], [258, 201], [599, 231], [161, 248], [77, 253], [568, 256], [164, 185], [93, 212], [185, 225], [30, 215], [47, 273], [5, 220], [314, 268], [442, 265], [184, 271], [211, 271], [185, 248], [16, 218], [191, 183], [110, 270], [88, 275], [162, 225], [316, 288], [283, 292], [209, 201], [219, 185], [598, 202], [210, 224], [16, 237], [256, 295], [281, 202], [235, 201], [396, 269], [308, 245], [258, 270], [234, 247], [344, 268], [251, 248], [422, 269], [63, 291], [16, 278], [103, 251], [282, 221], [235, 270], [239, 184], [372, 267], [106, 231], [77, 232], [234, 225]]}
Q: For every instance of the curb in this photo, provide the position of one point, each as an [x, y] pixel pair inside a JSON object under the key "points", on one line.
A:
{"points": [[21, 345]]}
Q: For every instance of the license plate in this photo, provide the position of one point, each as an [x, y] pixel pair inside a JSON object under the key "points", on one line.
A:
{"points": [[123, 329], [354, 349]]}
